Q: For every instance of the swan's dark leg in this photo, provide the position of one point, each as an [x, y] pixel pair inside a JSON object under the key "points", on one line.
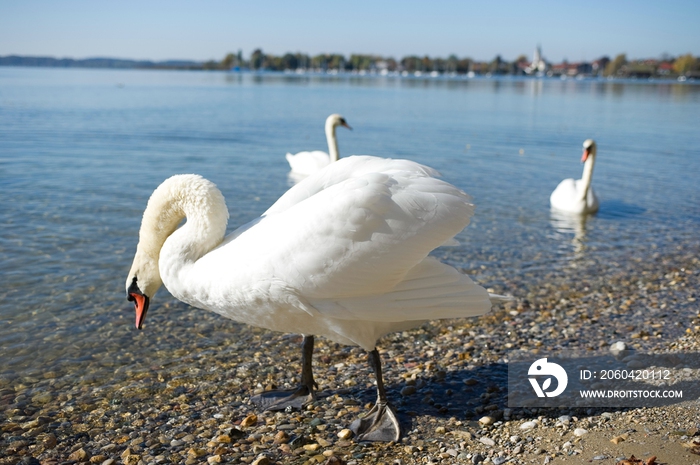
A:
{"points": [[295, 399], [380, 423]]}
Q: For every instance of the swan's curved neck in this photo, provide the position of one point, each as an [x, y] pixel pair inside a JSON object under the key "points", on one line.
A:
{"points": [[332, 141], [587, 176], [184, 196]]}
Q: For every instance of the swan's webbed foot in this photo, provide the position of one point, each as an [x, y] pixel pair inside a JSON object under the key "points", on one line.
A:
{"points": [[380, 424], [293, 399], [282, 400]]}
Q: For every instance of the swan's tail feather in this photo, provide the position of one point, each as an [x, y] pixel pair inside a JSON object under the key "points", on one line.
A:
{"points": [[430, 291]]}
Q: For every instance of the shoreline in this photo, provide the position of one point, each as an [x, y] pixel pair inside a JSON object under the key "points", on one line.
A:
{"points": [[394, 75]]}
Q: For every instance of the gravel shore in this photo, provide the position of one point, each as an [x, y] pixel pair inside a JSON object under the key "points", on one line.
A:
{"points": [[181, 393]]}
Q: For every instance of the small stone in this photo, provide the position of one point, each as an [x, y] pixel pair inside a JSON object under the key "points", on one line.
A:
{"points": [[79, 456], [471, 382], [109, 462], [312, 447], [262, 460], [42, 398], [345, 434], [98, 458], [50, 441], [620, 438], [564, 419], [196, 452], [600, 457], [440, 430], [477, 458], [223, 439], [281, 437], [214, 459], [580, 432], [408, 390], [250, 420], [499, 460], [617, 348], [528, 425], [487, 420], [487, 441], [517, 450]]}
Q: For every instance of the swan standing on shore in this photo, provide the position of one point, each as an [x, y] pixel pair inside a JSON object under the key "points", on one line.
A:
{"points": [[343, 254], [577, 196], [306, 163]]}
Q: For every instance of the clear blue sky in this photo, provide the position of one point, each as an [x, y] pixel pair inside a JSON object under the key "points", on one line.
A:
{"points": [[208, 29]]}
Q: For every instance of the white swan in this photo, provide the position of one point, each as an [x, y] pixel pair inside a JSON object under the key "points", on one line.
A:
{"points": [[577, 196], [343, 254], [306, 163]]}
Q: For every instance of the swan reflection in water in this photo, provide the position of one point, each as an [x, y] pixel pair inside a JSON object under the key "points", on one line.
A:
{"points": [[565, 224]]}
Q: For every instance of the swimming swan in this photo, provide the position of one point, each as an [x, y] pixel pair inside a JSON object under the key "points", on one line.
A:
{"points": [[306, 163], [577, 196], [343, 254]]}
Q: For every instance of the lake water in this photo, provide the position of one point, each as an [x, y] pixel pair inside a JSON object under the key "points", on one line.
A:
{"points": [[82, 150]]}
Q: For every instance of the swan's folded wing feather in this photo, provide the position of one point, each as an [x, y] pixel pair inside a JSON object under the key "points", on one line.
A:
{"points": [[342, 170], [356, 237], [308, 162], [431, 290]]}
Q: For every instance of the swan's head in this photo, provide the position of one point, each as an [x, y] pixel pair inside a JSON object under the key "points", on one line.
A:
{"points": [[336, 120], [178, 197], [589, 150], [142, 283]]}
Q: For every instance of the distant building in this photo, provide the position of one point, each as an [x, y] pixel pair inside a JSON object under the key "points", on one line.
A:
{"points": [[538, 65], [571, 69]]}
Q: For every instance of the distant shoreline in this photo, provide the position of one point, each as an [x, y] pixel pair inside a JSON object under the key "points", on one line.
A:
{"points": [[110, 63], [119, 64]]}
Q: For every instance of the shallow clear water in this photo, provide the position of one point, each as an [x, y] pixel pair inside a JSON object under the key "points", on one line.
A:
{"points": [[81, 151]]}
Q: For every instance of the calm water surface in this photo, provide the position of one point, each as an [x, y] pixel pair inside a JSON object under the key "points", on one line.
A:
{"points": [[81, 151]]}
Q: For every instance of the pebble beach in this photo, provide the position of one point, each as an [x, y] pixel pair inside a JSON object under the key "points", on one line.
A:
{"points": [[182, 395]]}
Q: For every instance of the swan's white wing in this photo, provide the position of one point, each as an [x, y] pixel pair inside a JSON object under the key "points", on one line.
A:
{"points": [[567, 197], [430, 290], [306, 163], [354, 238], [342, 170]]}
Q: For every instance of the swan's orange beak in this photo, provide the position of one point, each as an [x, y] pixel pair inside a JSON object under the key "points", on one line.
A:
{"points": [[140, 301], [141, 307], [584, 157]]}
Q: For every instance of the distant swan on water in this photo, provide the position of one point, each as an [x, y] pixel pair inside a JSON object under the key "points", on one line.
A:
{"points": [[306, 163], [343, 254], [577, 196]]}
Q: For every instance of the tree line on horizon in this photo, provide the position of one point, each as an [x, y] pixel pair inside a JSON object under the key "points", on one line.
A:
{"points": [[619, 66]]}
